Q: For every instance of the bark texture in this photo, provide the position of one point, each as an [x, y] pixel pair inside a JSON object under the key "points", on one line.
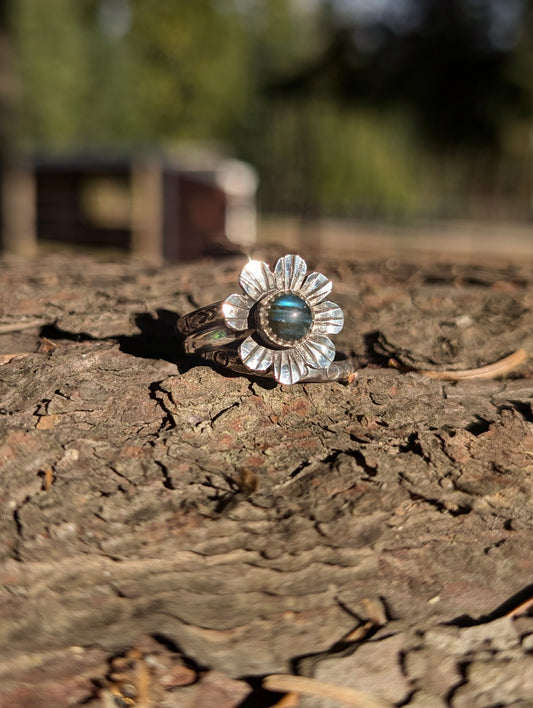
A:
{"points": [[158, 513]]}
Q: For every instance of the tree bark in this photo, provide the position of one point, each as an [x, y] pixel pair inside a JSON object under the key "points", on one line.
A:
{"points": [[127, 524]]}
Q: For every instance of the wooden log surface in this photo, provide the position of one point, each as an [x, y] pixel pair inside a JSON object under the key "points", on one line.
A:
{"points": [[130, 532]]}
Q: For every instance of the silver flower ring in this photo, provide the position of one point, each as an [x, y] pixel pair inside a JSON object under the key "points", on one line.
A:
{"points": [[277, 327]]}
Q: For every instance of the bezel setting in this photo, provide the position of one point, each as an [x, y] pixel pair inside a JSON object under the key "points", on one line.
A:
{"points": [[264, 327]]}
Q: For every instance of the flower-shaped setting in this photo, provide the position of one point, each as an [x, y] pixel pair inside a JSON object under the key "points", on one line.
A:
{"points": [[289, 316]]}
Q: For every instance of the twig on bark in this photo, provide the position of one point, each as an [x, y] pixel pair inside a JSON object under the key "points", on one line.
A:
{"points": [[490, 371], [521, 609], [289, 700], [300, 684]]}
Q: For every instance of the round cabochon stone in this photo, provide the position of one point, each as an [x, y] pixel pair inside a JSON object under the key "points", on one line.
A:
{"points": [[289, 317]]}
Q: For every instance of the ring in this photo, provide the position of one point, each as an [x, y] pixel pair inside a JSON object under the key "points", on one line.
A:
{"points": [[278, 326]]}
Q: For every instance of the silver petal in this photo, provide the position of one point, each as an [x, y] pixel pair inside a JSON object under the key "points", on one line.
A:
{"points": [[318, 351], [329, 318], [289, 365], [257, 279], [254, 355], [290, 272], [316, 287], [236, 310]]}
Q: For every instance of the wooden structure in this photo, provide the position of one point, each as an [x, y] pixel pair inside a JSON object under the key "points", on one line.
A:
{"points": [[152, 205]]}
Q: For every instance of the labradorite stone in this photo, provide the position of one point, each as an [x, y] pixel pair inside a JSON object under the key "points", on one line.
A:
{"points": [[289, 317]]}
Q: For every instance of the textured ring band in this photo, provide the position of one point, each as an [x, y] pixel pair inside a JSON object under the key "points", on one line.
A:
{"points": [[278, 327], [204, 329]]}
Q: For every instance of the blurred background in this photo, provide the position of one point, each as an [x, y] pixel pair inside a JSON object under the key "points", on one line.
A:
{"points": [[350, 124]]}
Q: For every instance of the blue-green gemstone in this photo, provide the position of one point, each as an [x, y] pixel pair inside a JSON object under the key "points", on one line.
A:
{"points": [[290, 318]]}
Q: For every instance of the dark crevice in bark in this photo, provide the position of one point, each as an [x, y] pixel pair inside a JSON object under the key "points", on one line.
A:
{"points": [[524, 408], [496, 544], [259, 697], [479, 426], [16, 549], [462, 667], [167, 479], [171, 645], [55, 333], [158, 395], [359, 457], [329, 459], [220, 413], [300, 468], [413, 445], [524, 595], [192, 301], [461, 509]]}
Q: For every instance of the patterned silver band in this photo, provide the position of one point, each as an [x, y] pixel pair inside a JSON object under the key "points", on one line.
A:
{"points": [[205, 333], [204, 329]]}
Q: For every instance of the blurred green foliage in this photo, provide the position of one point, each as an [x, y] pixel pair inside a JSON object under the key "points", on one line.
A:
{"points": [[136, 73]]}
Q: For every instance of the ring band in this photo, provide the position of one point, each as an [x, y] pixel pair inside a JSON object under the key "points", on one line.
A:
{"points": [[278, 327], [204, 329], [228, 358]]}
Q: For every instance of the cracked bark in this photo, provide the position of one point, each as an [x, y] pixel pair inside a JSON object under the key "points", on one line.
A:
{"points": [[125, 514]]}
